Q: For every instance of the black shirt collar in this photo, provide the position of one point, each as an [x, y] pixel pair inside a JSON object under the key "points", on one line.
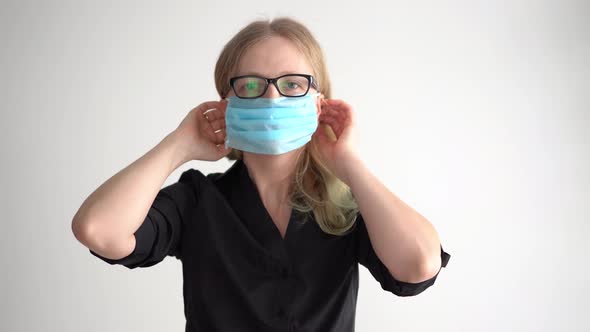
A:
{"points": [[242, 194]]}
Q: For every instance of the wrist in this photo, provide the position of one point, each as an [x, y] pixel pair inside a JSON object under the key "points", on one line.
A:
{"points": [[174, 151], [351, 166]]}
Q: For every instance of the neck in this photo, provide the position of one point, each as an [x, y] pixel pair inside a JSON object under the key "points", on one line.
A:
{"points": [[272, 174]]}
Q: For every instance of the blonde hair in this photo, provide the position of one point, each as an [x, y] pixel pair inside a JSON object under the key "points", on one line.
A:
{"points": [[314, 188]]}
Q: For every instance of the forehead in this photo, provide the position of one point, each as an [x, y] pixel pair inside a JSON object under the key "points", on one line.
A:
{"points": [[273, 57]]}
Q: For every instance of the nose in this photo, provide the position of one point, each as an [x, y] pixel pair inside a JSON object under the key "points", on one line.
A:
{"points": [[271, 92]]}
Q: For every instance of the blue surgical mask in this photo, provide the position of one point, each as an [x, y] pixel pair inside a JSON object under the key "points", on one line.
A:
{"points": [[270, 125]]}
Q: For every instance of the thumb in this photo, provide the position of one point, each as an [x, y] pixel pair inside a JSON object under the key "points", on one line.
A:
{"points": [[320, 134]]}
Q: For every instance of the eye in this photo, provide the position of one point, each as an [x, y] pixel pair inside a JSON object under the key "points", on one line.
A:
{"points": [[251, 85], [292, 85]]}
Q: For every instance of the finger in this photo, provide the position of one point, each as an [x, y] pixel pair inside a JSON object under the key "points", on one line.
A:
{"points": [[220, 135], [223, 106], [210, 134], [331, 117], [320, 134], [343, 107], [334, 111], [218, 128], [212, 110], [222, 150], [337, 102], [335, 124], [208, 105], [213, 114], [327, 119], [326, 134], [217, 124], [215, 135], [212, 129]]}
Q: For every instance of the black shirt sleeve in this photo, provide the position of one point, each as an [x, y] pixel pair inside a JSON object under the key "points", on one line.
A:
{"points": [[367, 257], [160, 233]]}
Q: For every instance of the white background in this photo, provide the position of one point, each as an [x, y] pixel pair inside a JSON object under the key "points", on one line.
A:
{"points": [[475, 113]]}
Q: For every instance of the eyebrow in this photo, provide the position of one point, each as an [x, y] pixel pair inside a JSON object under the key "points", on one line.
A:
{"points": [[279, 74]]}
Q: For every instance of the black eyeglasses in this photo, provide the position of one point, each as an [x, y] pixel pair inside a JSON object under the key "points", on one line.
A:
{"points": [[289, 85]]}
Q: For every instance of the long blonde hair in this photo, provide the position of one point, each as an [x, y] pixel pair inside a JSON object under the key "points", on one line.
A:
{"points": [[314, 188]]}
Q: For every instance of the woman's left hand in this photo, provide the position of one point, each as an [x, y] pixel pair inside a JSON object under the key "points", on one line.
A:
{"points": [[338, 152]]}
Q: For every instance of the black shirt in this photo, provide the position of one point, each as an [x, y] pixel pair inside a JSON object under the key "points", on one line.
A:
{"points": [[240, 274]]}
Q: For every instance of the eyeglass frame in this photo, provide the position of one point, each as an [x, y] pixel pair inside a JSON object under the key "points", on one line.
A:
{"points": [[311, 80]]}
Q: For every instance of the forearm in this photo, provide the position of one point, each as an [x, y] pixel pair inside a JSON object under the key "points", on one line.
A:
{"points": [[403, 239], [115, 210]]}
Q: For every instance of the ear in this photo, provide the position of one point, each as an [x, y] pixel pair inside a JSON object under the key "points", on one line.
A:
{"points": [[319, 103]]}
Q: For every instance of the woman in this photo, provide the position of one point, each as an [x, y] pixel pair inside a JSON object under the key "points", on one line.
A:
{"points": [[274, 242]]}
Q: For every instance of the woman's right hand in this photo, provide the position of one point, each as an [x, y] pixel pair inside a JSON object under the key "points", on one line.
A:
{"points": [[201, 135]]}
